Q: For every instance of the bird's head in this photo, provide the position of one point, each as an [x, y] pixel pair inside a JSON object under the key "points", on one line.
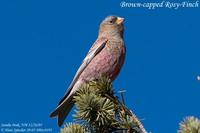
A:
{"points": [[112, 26]]}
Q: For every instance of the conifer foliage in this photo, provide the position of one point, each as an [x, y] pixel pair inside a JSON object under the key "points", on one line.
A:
{"points": [[98, 110], [190, 125]]}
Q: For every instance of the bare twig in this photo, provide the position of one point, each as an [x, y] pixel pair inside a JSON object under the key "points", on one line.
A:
{"points": [[121, 92]]}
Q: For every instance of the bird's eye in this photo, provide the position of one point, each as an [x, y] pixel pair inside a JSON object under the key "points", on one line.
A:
{"points": [[112, 21]]}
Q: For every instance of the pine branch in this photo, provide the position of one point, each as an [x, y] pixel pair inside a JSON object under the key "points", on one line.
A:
{"points": [[190, 125], [101, 111], [129, 112], [74, 128]]}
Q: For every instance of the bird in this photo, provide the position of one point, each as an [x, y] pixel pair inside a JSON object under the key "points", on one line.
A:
{"points": [[105, 57]]}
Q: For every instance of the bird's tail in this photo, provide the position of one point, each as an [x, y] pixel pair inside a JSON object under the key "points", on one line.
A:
{"points": [[62, 111]]}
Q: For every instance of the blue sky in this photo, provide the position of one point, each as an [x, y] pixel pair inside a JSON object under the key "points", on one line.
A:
{"points": [[42, 44]]}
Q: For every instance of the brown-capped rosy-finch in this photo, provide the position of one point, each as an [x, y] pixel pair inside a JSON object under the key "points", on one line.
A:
{"points": [[105, 57]]}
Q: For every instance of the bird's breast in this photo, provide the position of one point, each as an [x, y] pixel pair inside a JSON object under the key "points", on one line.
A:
{"points": [[108, 62]]}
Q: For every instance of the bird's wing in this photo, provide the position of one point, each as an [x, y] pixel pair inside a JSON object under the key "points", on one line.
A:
{"points": [[95, 49]]}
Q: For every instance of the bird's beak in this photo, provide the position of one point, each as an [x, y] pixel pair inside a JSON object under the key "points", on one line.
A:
{"points": [[119, 20]]}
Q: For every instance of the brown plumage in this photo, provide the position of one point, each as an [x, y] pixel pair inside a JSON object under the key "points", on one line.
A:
{"points": [[105, 57]]}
